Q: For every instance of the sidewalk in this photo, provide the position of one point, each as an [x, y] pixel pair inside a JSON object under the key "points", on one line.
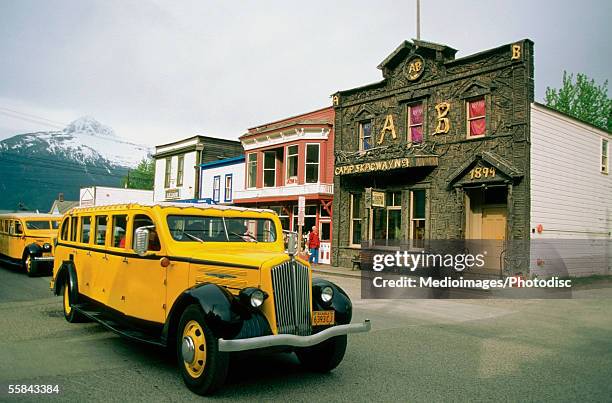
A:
{"points": [[336, 271]]}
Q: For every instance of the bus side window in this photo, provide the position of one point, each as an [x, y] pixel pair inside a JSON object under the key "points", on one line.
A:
{"points": [[101, 229], [85, 228], [18, 228], [73, 229], [65, 227], [119, 230]]}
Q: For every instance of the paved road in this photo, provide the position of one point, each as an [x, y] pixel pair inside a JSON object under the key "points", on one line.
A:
{"points": [[419, 350]]}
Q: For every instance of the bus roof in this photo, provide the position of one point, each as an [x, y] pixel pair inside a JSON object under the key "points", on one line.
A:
{"points": [[202, 206], [29, 214]]}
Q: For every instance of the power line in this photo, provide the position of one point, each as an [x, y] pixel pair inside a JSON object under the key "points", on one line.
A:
{"points": [[68, 166], [33, 116], [45, 124]]}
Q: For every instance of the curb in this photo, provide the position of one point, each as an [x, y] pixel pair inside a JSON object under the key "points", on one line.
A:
{"points": [[339, 273]]}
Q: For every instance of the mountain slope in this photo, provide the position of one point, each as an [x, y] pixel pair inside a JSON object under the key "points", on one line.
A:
{"points": [[35, 167]]}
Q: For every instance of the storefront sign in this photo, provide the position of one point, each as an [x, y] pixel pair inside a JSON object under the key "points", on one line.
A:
{"points": [[388, 126], [482, 172], [443, 125], [172, 194], [378, 199], [301, 210], [414, 68], [373, 166], [516, 52]]}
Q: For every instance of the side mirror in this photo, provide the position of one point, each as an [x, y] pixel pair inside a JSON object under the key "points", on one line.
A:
{"points": [[292, 243], [141, 240]]}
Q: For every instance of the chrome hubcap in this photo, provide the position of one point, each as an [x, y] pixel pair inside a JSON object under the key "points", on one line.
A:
{"points": [[188, 350]]}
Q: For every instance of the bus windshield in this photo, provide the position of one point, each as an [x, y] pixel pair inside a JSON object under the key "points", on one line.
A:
{"points": [[221, 229], [38, 225]]}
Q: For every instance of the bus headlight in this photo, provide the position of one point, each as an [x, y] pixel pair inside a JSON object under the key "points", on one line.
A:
{"points": [[253, 297], [46, 247], [327, 293]]}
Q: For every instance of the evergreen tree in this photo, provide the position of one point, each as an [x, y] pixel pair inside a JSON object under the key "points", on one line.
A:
{"points": [[141, 177]]}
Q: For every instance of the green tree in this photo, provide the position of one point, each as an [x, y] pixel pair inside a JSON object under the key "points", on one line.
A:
{"points": [[141, 177], [582, 99]]}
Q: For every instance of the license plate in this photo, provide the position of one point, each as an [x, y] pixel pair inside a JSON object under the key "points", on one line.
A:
{"points": [[321, 318]]}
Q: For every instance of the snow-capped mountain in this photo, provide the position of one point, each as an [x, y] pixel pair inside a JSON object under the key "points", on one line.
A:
{"points": [[84, 141], [35, 167]]}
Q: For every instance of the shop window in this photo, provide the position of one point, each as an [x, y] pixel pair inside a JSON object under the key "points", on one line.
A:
{"points": [[310, 218], [292, 164], [252, 170], [415, 123], [101, 230], [180, 170], [312, 163], [283, 216], [325, 232], [355, 219], [216, 188], [417, 214], [228, 188], [605, 165], [85, 229], [476, 117], [168, 172], [119, 230], [73, 229], [323, 211], [387, 222], [365, 136], [269, 170]]}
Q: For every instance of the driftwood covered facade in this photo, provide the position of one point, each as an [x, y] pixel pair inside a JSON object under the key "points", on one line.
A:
{"points": [[439, 149]]}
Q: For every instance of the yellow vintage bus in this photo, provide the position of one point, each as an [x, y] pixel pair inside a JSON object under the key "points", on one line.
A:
{"points": [[26, 240], [202, 281]]}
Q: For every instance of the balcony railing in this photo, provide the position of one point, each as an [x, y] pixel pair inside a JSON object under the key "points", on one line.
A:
{"points": [[285, 191]]}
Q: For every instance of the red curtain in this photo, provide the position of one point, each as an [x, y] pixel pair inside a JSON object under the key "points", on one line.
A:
{"points": [[416, 134], [416, 114], [477, 127], [477, 108]]}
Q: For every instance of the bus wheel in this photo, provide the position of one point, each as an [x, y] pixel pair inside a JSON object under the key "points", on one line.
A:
{"points": [[201, 364], [27, 265], [70, 314]]}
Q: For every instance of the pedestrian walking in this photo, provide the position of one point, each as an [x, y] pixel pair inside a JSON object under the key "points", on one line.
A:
{"points": [[313, 244]]}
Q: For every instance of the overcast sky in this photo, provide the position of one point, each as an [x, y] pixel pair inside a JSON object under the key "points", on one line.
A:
{"points": [[157, 71]]}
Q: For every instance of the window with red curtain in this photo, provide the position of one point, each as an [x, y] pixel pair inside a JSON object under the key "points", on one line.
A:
{"points": [[415, 123], [476, 117]]}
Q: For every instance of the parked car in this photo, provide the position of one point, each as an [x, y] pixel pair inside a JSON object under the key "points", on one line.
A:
{"points": [[26, 240], [204, 282]]}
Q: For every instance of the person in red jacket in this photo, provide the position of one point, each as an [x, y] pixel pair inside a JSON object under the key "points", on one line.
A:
{"points": [[313, 244]]}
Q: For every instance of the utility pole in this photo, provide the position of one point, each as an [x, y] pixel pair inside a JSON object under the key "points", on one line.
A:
{"points": [[418, 19]]}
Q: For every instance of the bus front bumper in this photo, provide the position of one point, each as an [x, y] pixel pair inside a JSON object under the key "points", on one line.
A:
{"points": [[292, 340]]}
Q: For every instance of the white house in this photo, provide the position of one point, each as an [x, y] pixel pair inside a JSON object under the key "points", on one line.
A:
{"points": [[221, 179], [104, 196], [177, 170], [570, 192]]}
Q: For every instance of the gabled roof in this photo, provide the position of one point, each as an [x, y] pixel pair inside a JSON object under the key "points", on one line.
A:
{"points": [[63, 206], [503, 166], [406, 46]]}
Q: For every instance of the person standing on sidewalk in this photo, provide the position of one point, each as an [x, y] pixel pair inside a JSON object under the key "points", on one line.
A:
{"points": [[313, 244]]}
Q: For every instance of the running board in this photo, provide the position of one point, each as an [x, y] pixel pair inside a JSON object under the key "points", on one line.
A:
{"points": [[91, 313]]}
